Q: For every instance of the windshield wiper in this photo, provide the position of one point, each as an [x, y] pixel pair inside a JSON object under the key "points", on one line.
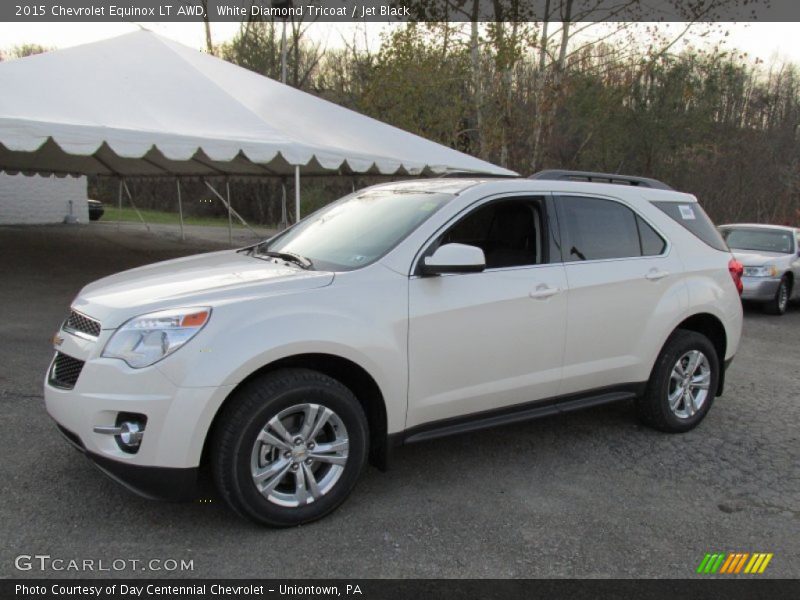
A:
{"points": [[300, 261]]}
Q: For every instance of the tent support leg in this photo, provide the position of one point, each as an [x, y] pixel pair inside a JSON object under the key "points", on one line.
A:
{"points": [[180, 207], [229, 207], [119, 205], [284, 211], [230, 216], [130, 199], [297, 193]]}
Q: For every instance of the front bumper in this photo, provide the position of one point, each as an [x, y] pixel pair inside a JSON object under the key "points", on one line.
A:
{"points": [[178, 419], [155, 483], [759, 289]]}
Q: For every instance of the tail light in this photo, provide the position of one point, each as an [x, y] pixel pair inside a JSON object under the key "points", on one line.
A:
{"points": [[736, 270]]}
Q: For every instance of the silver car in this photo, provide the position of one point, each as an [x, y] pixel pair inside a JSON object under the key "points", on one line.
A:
{"points": [[771, 258]]}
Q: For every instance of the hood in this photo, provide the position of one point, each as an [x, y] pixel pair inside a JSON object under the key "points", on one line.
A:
{"points": [[751, 258], [200, 280]]}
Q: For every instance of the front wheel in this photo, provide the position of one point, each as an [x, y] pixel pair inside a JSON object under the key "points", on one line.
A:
{"points": [[778, 305], [682, 385], [289, 447]]}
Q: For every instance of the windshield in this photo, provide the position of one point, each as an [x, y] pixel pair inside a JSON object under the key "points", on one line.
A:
{"points": [[759, 240], [358, 229]]}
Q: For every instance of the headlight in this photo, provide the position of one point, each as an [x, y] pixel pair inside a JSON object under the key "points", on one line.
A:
{"points": [[147, 339], [765, 271]]}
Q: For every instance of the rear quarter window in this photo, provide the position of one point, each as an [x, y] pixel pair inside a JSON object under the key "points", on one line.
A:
{"points": [[652, 243], [692, 217]]}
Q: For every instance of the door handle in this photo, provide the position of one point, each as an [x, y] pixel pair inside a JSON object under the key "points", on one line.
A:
{"points": [[656, 274], [543, 291]]}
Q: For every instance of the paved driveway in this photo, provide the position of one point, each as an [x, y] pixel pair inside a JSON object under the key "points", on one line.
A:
{"points": [[590, 494]]}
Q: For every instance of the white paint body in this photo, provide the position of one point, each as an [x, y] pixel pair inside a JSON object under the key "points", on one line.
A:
{"points": [[437, 347]]}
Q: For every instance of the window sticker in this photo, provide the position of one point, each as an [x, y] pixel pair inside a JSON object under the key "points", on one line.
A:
{"points": [[687, 212]]}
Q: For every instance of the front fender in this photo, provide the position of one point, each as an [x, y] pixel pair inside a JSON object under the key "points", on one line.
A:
{"points": [[361, 319]]}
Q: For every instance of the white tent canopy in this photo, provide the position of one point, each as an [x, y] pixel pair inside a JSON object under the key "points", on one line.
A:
{"points": [[141, 105]]}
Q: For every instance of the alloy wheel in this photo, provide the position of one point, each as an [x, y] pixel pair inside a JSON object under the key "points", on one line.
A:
{"points": [[689, 384], [299, 455]]}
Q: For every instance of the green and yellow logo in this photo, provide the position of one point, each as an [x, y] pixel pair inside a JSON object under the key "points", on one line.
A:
{"points": [[733, 563]]}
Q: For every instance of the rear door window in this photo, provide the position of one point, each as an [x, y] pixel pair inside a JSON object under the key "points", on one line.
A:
{"points": [[599, 229]]}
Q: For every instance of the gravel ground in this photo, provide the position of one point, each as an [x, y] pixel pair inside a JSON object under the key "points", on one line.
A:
{"points": [[590, 494]]}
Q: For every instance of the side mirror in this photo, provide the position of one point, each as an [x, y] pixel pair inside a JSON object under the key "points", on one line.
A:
{"points": [[454, 258]]}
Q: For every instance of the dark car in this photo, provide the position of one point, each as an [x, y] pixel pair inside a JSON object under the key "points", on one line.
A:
{"points": [[96, 210]]}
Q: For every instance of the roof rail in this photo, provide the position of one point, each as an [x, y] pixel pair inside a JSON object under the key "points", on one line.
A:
{"points": [[564, 175], [474, 175]]}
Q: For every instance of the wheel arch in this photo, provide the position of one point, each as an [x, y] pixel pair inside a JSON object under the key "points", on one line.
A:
{"points": [[711, 327], [789, 274], [350, 374]]}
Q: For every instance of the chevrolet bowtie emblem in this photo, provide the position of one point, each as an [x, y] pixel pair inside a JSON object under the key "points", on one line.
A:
{"points": [[57, 340]]}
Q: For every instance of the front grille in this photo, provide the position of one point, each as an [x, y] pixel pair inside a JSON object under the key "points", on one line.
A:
{"points": [[65, 371], [82, 324]]}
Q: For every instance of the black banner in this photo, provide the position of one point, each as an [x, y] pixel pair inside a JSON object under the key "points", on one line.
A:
{"points": [[408, 589], [396, 10]]}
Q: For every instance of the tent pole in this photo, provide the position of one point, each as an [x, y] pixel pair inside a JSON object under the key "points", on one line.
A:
{"points": [[284, 214], [180, 207], [119, 205], [228, 206], [230, 215], [130, 199], [297, 193]]}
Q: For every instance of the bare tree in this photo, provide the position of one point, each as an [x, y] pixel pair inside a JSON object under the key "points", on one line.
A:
{"points": [[207, 26]]}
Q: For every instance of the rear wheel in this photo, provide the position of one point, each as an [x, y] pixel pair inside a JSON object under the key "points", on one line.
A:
{"points": [[682, 385], [778, 305], [289, 448]]}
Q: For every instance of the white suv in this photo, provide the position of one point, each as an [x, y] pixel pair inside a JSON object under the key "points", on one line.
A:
{"points": [[400, 313]]}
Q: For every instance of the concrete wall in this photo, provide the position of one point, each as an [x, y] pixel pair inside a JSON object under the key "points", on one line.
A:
{"points": [[38, 200]]}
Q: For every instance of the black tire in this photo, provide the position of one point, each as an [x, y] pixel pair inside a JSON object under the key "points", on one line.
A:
{"points": [[778, 305], [244, 417], [654, 407]]}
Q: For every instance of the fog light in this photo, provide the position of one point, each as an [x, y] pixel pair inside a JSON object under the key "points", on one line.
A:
{"points": [[130, 436], [128, 431]]}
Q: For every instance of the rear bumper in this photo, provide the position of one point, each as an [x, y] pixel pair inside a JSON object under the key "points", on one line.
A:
{"points": [[759, 289], [155, 483]]}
